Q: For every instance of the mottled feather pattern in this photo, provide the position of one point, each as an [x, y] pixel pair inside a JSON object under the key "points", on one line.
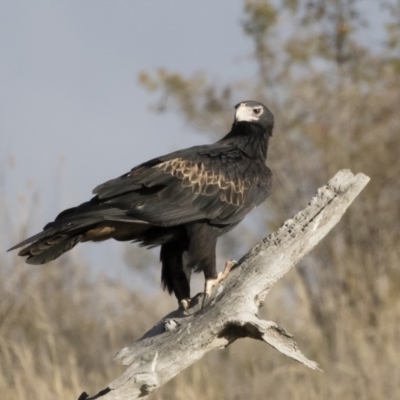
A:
{"points": [[196, 176]]}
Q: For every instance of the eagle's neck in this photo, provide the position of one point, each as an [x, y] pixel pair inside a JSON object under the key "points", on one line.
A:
{"points": [[250, 138]]}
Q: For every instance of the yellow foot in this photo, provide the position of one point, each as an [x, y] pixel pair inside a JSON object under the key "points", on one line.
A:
{"points": [[185, 304], [211, 283]]}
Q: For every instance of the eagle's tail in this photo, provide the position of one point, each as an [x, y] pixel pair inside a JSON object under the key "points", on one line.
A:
{"points": [[61, 235], [90, 221], [41, 251]]}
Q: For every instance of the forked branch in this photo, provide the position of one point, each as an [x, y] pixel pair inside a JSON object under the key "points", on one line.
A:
{"points": [[181, 338]]}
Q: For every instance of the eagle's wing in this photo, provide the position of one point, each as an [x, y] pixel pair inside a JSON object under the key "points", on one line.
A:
{"points": [[219, 183]]}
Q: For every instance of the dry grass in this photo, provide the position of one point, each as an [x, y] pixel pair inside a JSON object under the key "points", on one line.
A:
{"points": [[59, 328]]}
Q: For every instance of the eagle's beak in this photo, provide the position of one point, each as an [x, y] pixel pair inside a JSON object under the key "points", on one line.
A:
{"points": [[242, 113]]}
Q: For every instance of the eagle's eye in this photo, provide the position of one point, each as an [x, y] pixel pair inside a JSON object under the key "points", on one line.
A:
{"points": [[256, 111]]}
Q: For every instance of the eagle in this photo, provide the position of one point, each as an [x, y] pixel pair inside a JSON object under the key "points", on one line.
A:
{"points": [[183, 202]]}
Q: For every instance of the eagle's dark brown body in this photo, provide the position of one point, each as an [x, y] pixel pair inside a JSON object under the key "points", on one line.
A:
{"points": [[182, 202]]}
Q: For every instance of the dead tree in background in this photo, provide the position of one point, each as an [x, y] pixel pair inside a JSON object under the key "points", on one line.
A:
{"points": [[182, 338]]}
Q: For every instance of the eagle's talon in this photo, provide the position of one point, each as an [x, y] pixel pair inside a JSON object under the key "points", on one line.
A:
{"points": [[184, 304], [210, 283], [227, 269]]}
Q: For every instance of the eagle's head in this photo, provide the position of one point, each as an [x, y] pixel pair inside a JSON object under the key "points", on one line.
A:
{"points": [[255, 113]]}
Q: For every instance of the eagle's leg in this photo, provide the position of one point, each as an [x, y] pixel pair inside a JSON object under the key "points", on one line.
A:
{"points": [[210, 283], [175, 276]]}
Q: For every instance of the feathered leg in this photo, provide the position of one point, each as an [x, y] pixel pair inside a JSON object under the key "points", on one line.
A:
{"points": [[175, 277]]}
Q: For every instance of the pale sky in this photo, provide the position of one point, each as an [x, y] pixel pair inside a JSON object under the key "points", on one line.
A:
{"points": [[72, 114], [69, 83]]}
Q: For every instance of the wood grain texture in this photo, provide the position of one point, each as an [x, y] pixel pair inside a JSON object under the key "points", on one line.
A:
{"points": [[181, 338]]}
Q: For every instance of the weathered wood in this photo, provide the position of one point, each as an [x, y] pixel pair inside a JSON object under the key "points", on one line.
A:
{"points": [[181, 338]]}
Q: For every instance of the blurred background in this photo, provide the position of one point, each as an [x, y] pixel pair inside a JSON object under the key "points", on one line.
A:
{"points": [[91, 89]]}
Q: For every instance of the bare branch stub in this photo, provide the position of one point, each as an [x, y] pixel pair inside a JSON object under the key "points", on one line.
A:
{"points": [[181, 338]]}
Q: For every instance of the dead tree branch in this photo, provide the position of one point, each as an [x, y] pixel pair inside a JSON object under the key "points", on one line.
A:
{"points": [[180, 338]]}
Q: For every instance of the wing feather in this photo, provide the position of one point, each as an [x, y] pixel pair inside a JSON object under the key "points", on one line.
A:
{"points": [[198, 183]]}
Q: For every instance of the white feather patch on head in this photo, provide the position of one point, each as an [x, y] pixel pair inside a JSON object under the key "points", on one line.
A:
{"points": [[246, 113]]}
